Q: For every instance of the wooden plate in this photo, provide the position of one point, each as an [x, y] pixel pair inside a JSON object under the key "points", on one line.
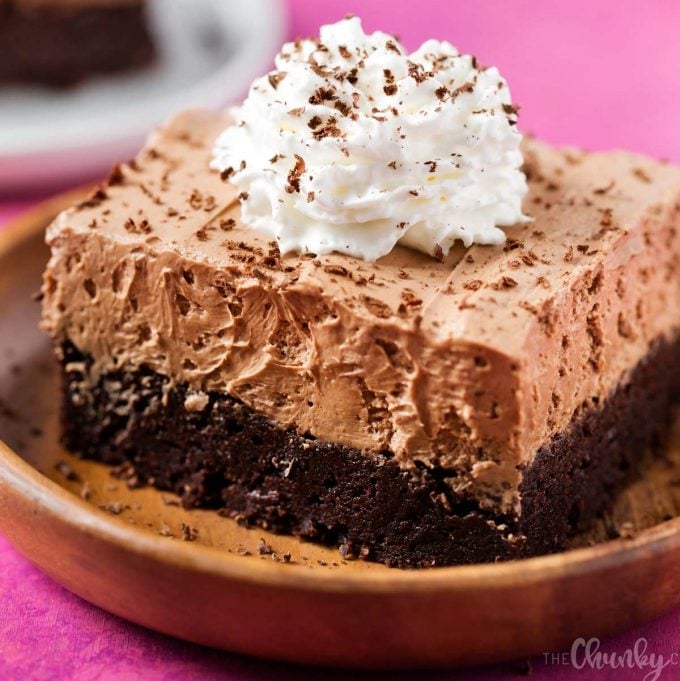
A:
{"points": [[201, 577]]}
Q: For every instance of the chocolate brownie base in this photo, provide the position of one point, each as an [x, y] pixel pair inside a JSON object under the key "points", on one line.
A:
{"points": [[62, 46], [228, 457]]}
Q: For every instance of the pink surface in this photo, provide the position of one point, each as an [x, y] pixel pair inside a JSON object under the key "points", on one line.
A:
{"points": [[598, 74]]}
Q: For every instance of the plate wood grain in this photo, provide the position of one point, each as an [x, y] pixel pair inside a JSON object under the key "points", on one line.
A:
{"points": [[201, 577]]}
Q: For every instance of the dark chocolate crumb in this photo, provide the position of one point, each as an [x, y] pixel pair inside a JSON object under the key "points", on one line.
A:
{"points": [[264, 549], [114, 508], [189, 533], [66, 470]]}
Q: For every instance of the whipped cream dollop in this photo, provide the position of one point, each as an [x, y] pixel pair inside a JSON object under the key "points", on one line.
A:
{"points": [[353, 145]]}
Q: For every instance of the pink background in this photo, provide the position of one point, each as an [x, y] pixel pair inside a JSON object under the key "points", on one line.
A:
{"points": [[599, 74]]}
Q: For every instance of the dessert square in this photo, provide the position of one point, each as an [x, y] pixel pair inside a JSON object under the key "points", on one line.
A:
{"points": [[411, 411], [61, 42], [362, 310]]}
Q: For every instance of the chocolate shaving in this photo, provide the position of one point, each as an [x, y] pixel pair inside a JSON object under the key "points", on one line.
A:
{"points": [[314, 122], [391, 46], [295, 174], [463, 89], [473, 285], [322, 95], [390, 87], [441, 93], [94, 199], [338, 270], [353, 76], [319, 70], [607, 218], [504, 282], [116, 176], [329, 130], [143, 227], [605, 189], [344, 108], [275, 78], [642, 175], [418, 73]]}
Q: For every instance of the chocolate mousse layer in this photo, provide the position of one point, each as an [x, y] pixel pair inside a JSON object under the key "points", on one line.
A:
{"points": [[61, 42], [493, 372]]}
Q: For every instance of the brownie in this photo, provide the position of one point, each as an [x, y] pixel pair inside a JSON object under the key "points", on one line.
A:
{"points": [[62, 43]]}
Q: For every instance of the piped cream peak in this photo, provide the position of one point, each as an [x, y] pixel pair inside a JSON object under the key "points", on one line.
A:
{"points": [[353, 145]]}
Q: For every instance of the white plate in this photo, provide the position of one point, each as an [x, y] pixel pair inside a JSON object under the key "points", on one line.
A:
{"points": [[210, 51]]}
